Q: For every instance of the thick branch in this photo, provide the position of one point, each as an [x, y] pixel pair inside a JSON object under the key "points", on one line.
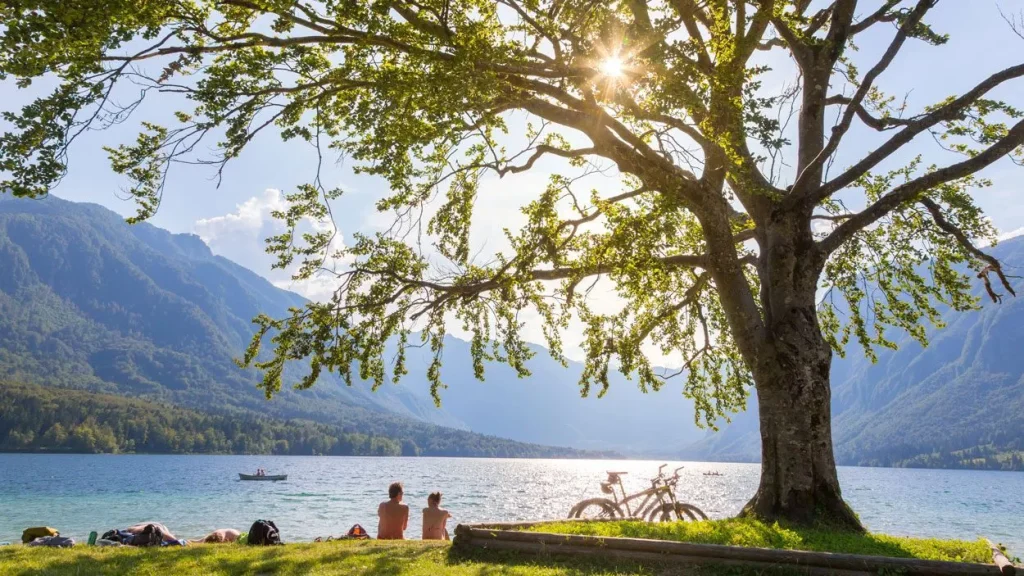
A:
{"points": [[911, 190], [881, 15], [840, 28], [562, 273], [540, 151], [874, 122], [913, 128], [862, 91], [801, 51], [690, 13]]}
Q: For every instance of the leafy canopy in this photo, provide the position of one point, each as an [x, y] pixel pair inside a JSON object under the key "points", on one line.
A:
{"points": [[728, 214]]}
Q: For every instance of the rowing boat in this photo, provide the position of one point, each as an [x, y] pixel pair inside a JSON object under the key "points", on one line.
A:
{"points": [[268, 477]]}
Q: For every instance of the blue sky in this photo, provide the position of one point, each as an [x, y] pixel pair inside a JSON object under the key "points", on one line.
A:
{"points": [[235, 217]]}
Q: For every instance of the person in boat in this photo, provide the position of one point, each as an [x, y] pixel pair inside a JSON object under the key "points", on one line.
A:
{"points": [[435, 519], [393, 515]]}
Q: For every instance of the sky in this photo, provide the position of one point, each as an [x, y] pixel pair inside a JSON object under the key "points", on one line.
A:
{"points": [[234, 218]]}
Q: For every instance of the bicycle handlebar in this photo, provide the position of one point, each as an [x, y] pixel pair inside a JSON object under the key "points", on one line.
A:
{"points": [[661, 469], [676, 471]]}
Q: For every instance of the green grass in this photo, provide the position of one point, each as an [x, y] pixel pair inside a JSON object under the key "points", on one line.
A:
{"points": [[368, 558], [745, 532], [374, 558]]}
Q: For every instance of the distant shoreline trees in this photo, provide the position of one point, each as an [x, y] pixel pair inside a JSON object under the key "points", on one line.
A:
{"points": [[35, 418]]}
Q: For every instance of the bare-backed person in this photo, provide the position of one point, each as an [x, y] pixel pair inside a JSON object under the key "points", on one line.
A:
{"points": [[435, 519], [393, 515]]}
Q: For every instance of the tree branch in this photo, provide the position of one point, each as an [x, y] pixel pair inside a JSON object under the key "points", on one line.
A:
{"points": [[691, 14], [909, 191], [881, 15], [540, 151], [965, 242], [862, 91], [913, 128], [874, 122]]}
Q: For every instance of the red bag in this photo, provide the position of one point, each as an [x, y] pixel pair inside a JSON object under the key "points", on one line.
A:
{"points": [[358, 533]]}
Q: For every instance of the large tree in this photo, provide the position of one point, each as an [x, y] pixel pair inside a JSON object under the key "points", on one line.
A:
{"points": [[728, 228]]}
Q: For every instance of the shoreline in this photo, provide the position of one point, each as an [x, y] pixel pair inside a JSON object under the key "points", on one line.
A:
{"points": [[465, 457]]}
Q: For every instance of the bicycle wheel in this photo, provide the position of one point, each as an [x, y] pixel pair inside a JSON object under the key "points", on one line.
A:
{"points": [[668, 513], [694, 512], [596, 508]]}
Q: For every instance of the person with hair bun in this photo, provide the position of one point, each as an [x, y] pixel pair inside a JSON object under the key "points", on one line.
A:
{"points": [[435, 519]]}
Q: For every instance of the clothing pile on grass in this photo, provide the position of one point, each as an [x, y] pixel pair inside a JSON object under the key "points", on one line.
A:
{"points": [[356, 532], [45, 536], [152, 534], [261, 533]]}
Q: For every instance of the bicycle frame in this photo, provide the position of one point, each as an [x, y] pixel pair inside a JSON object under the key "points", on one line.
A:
{"points": [[660, 486], [659, 502]]}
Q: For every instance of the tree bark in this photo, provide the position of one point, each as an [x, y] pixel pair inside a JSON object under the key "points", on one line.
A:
{"points": [[798, 471], [799, 483]]}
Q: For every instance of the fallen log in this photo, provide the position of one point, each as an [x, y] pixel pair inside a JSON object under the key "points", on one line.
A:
{"points": [[637, 556], [999, 559]]}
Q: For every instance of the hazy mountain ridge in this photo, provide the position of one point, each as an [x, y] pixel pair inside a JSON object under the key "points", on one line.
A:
{"points": [[157, 315], [88, 301], [547, 406]]}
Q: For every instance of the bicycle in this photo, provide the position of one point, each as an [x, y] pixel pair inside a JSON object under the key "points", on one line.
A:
{"points": [[659, 501]]}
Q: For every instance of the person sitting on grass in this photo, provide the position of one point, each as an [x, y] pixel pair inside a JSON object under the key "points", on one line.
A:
{"points": [[394, 516], [435, 519]]}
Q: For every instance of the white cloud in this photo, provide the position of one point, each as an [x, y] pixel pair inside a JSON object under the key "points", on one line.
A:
{"points": [[240, 236], [1011, 234]]}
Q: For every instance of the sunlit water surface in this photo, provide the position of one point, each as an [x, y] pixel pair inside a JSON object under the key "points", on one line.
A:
{"points": [[193, 495]]}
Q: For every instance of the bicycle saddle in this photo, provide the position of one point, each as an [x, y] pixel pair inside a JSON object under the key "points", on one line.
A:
{"points": [[614, 476]]}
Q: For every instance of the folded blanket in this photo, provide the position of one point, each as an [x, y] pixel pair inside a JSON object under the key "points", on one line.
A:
{"points": [[53, 542]]}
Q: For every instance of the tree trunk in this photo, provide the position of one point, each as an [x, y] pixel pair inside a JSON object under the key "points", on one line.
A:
{"points": [[798, 471]]}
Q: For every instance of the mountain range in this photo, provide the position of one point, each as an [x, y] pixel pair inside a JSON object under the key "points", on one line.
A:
{"points": [[89, 302]]}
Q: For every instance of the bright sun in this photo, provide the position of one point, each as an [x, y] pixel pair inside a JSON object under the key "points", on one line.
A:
{"points": [[611, 67]]}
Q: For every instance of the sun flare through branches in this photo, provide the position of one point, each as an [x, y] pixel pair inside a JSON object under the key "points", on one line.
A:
{"points": [[612, 67]]}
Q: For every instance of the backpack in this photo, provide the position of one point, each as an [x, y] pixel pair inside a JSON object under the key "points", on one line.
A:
{"points": [[264, 533], [31, 534], [357, 532], [150, 536]]}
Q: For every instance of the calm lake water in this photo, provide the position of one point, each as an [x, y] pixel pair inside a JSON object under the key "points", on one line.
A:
{"points": [[193, 495]]}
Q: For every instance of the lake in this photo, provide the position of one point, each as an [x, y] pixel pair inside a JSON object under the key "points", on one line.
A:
{"points": [[193, 495]]}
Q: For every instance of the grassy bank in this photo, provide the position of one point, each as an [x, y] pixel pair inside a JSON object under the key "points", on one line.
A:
{"points": [[323, 559], [745, 532], [374, 558]]}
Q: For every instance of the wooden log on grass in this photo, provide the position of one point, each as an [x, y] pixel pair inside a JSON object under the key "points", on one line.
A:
{"points": [[1000, 560], [651, 557], [717, 554]]}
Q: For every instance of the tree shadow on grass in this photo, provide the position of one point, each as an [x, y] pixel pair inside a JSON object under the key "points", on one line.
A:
{"points": [[481, 562], [232, 560]]}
